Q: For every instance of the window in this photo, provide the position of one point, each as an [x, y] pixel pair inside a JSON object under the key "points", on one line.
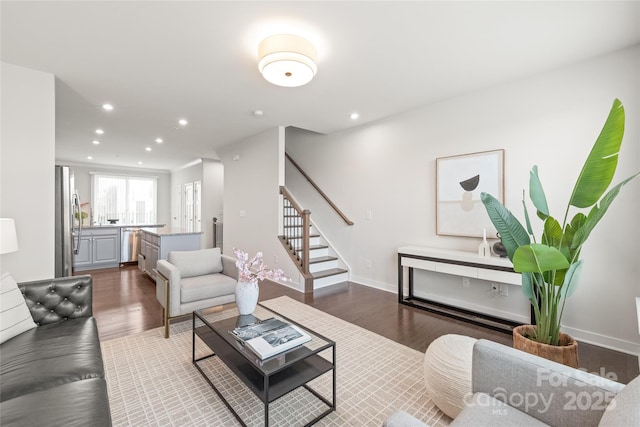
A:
{"points": [[130, 200]]}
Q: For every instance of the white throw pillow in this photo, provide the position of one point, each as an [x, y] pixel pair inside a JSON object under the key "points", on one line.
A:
{"points": [[15, 317]]}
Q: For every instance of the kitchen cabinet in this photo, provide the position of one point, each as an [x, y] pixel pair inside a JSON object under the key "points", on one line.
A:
{"points": [[158, 242], [99, 248]]}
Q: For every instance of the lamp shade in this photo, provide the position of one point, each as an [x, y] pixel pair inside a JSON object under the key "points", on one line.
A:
{"points": [[8, 237], [287, 60]]}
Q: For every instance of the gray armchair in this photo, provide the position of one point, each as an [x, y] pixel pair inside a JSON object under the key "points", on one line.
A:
{"points": [[194, 280], [513, 388]]}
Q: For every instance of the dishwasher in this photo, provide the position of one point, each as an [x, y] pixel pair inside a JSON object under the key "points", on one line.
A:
{"points": [[130, 245]]}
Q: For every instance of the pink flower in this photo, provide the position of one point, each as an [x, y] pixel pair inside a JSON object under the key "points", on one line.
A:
{"points": [[254, 270]]}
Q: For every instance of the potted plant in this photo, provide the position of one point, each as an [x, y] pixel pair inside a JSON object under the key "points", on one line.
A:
{"points": [[551, 265]]}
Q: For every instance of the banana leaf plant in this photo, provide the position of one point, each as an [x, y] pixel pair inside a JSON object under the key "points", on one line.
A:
{"points": [[551, 266]]}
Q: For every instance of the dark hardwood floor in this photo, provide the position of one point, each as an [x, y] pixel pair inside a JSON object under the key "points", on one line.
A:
{"points": [[124, 303]]}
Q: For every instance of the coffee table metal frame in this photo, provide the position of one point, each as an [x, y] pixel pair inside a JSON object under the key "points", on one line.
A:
{"points": [[269, 379]]}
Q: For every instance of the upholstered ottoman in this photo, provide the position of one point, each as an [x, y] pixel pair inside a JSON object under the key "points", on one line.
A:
{"points": [[447, 372]]}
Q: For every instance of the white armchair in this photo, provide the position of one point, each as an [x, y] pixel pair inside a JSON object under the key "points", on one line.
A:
{"points": [[193, 280]]}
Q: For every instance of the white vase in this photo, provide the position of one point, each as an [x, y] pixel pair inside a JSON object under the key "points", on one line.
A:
{"points": [[246, 297]]}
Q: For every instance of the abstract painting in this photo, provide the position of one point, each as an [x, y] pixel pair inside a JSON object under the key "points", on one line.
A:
{"points": [[459, 182]]}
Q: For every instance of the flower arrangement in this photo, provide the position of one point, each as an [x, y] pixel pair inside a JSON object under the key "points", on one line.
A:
{"points": [[252, 270]]}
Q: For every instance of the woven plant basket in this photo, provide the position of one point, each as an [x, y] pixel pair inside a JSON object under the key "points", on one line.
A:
{"points": [[566, 352]]}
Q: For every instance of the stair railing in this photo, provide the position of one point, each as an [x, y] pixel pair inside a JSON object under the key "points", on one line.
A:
{"points": [[324, 196], [299, 218]]}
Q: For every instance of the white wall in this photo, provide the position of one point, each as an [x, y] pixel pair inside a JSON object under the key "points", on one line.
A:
{"points": [[82, 177], [253, 173], [27, 152], [551, 120]]}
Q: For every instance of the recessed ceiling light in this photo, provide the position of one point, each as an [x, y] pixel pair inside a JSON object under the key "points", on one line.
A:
{"points": [[107, 107], [95, 142], [99, 131], [183, 122], [159, 140], [354, 116], [148, 149], [258, 113], [89, 158], [139, 163]]}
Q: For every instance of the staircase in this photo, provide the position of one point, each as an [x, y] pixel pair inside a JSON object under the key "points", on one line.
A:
{"points": [[324, 267]]}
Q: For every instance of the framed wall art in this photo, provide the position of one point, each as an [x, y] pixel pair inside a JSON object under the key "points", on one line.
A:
{"points": [[459, 182]]}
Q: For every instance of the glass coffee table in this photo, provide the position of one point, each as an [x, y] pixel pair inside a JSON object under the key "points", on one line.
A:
{"points": [[271, 378]]}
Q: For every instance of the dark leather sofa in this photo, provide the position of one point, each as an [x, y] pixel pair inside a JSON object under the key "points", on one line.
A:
{"points": [[53, 374]]}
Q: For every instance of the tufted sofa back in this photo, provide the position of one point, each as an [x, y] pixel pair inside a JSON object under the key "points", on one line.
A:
{"points": [[55, 300]]}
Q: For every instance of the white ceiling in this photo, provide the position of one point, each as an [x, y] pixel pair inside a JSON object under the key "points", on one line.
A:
{"points": [[158, 61]]}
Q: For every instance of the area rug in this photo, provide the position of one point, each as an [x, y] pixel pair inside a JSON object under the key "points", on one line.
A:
{"points": [[152, 382]]}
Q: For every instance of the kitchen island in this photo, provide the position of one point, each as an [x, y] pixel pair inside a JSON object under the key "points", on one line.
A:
{"points": [[158, 242], [100, 246]]}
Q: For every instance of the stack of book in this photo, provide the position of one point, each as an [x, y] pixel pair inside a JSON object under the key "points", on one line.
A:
{"points": [[269, 337]]}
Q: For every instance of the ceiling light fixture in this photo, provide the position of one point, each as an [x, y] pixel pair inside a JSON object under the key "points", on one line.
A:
{"points": [[287, 60], [159, 140], [95, 142], [148, 149], [183, 122], [107, 107], [354, 116], [99, 131]]}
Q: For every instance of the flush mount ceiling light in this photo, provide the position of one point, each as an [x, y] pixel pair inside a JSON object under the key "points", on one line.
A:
{"points": [[287, 60]]}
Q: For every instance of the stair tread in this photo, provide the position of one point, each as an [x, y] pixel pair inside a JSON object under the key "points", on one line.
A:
{"points": [[322, 259], [300, 237], [312, 247], [329, 272]]}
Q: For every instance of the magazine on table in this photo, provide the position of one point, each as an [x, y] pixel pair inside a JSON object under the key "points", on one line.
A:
{"points": [[269, 337]]}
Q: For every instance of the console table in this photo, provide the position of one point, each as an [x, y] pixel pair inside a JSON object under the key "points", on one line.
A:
{"points": [[458, 263]]}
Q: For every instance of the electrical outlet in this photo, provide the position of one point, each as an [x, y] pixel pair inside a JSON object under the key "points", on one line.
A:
{"points": [[466, 282], [494, 288], [504, 289]]}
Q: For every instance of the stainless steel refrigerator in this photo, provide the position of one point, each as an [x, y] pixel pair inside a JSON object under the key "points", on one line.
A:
{"points": [[68, 230]]}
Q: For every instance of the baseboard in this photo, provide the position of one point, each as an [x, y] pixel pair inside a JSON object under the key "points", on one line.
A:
{"points": [[393, 288], [600, 340], [605, 341]]}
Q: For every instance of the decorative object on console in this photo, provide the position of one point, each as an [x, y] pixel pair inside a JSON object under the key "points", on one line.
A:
{"points": [[459, 182], [484, 250], [551, 269], [499, 249], [250, 271]]}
